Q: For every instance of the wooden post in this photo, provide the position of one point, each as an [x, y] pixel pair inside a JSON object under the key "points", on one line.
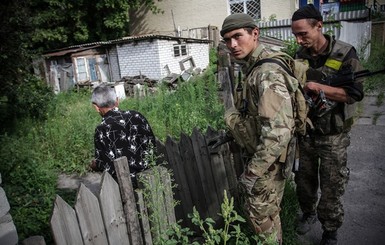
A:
{"points": [[225, 75], [128, 198], [224, 78]]}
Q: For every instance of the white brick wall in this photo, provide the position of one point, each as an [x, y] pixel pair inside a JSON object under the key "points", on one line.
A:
{"points": [[150, 57], [200, 53], [139, 58]]}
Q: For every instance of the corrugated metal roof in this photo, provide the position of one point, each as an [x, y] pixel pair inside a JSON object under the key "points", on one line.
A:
{"points": [[85, 46], [70, 50]]}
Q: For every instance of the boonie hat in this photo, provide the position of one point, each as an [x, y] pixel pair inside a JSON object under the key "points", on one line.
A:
{"points": [[237, 21]]}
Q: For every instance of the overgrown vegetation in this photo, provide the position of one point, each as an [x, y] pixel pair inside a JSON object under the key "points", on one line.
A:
{"points": [[37, 150], [374, 63], [56, 135]]}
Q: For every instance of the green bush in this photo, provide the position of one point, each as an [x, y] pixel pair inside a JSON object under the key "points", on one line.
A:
{"points": [[374, 63], [31, 98]]}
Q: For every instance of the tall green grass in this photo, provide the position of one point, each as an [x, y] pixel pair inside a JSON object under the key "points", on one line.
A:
{"points": [[375, 62], [35, 153]]}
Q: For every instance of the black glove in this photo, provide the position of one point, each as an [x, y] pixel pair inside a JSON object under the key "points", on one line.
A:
{"points": [[218, 140]]}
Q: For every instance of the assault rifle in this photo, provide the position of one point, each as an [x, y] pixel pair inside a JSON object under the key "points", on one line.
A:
{"points": [[321, 104]]}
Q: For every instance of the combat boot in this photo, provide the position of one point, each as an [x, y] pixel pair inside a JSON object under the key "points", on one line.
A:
{"points": [[306, 222], [329, 238]]}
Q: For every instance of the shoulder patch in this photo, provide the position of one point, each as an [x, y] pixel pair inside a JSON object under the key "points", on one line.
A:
{"points": [[333, 63]]}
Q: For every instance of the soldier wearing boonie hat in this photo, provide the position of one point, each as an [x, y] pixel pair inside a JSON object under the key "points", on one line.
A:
{"points": [[261, 122], [237, 21]]}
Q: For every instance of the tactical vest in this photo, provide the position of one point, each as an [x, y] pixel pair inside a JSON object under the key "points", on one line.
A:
{"points": [[341, 117]]}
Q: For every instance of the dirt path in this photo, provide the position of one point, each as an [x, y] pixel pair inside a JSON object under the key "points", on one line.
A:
{"points": [[364, 200]]}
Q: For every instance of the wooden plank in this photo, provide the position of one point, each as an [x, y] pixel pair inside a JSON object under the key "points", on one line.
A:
{"points": [[151, 183], [236, 153], [112, 211], [224, 79], [128, 198], [144, 218], [168, 195], [182, 188], [177, 209], [203, 164], [64, 224], [90, 217], [230, 170], [218, 167], [193, 179]]}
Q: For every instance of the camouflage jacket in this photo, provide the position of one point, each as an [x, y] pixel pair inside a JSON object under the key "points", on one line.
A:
{"points": [[268, 123]]}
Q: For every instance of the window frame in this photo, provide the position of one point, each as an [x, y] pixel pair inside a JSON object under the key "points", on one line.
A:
{"points": [[180, 50]]}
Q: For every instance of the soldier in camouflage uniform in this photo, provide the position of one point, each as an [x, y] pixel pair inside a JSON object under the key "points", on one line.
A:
{"points": [[261, 121], [323, 153]]}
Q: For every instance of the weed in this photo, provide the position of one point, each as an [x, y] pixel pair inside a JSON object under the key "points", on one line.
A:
{"points": [[375, 117], [380, 98]]}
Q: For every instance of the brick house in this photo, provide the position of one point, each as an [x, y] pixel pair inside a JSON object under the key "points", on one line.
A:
{"points": [[153, 56]]}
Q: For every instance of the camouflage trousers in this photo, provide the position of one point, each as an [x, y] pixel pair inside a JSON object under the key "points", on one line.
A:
{"points": [[261, 198], [323, 164]]}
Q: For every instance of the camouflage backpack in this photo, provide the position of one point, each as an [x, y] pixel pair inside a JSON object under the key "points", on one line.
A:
{"points": [[295, 68], [243, 123], [233, 116]]}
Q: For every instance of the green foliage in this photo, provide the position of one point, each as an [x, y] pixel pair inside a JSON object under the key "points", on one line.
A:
{"points": [[31, 98], [375, 62], [288, 214], [36, 151], [27, 180], [330, 23], [14, 56], [60, 23], [230, 233], [291, 47], [195, 104]]}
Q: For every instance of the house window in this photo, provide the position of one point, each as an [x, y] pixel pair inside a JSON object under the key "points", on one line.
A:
{"points": [[82, 69], [180, 50], [86, 69], [250, 7]]}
